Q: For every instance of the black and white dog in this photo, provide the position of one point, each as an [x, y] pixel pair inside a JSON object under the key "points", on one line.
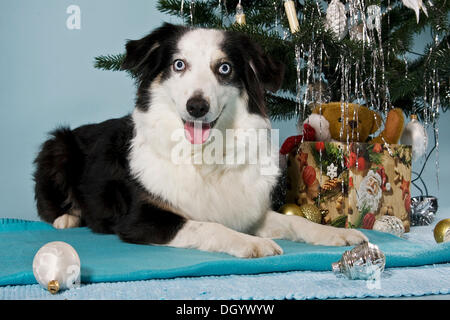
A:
{"points": [[118, 176]]}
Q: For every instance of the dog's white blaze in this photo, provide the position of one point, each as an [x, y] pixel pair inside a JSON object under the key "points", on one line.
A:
{"points": [[201, 50]]}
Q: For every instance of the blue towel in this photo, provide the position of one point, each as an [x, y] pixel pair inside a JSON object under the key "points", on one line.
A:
{"points": [[104, 258]]}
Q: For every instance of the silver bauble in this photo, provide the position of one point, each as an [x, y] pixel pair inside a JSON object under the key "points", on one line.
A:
{"points": [[389, 224], [364, 262]]}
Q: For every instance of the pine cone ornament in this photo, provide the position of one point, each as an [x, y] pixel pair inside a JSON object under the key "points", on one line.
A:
{"points": [[336, 19], [331, 184]]}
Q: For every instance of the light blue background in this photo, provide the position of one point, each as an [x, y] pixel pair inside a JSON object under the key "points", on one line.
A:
{"points": [[47, 79]]}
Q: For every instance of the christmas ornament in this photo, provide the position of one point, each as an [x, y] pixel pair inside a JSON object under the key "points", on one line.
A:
{"points": [[423, 210], [56, 266], [416, 136], [291, 14], [331, 184], [364, 262], [416, 5], [332, 171], [389, 224], [311, 212], [291, 209], [373, 20], [240, 15], [309, 175], [368, 221], [442, 231], [336, 20], [320, 146]]}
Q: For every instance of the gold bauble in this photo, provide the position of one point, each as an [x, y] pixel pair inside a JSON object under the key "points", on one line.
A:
{"points": [[53, 286], [440, 230], [311, 212], [291, 209]]}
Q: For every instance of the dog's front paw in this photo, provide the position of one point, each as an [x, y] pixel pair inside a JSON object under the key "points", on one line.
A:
{"points": [[340, 237], [255, 247], [66, 221]]}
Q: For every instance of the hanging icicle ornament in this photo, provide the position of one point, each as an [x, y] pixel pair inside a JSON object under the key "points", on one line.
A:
{"points": [[373, 20], [364, 262], [182, 8], [336, 19], [191, 11], [240, 15], [416, 5], [291, 14], [415, 135]]}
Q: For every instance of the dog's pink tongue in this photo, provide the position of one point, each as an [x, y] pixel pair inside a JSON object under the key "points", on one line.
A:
{"points": [[196, 132]]}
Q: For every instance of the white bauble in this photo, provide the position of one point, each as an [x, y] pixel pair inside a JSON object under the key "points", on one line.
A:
{"points": [[57, 263], [416, 136], [336, 19]]}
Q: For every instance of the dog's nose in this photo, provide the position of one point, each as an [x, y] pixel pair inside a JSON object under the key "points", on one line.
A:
{"points": [[353, 124], [197, 107]]}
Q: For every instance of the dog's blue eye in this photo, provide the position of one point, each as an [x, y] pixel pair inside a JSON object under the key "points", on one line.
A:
{"points": [[224, 68], [179, 65]]}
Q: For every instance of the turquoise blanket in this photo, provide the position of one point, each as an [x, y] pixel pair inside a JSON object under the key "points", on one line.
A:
{"points": [[104, 258]]}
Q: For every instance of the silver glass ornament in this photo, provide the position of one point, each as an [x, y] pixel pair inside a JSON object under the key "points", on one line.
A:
{"points": [[364, 262], [389, 224], [423, 210]]}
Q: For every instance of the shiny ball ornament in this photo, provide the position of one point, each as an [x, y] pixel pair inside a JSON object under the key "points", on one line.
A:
{"points": [[389, 224], [56, 266], [364, 262], [291, 209], [311, 212], [336, 19], [416, 136], [442, 231]]}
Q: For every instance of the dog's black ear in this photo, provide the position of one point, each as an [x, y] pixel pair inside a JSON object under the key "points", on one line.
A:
{"points": [[261, 73], [149, 50], [268, 71]]}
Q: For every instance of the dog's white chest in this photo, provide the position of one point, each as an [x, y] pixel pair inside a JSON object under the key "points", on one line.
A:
{"points": [[234, 197]]}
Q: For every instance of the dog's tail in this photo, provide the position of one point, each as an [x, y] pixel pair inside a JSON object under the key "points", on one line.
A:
{"points": [[59, 165]]}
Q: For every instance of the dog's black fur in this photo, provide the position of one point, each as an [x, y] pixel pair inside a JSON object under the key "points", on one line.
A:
{"points": [[86, 169]]}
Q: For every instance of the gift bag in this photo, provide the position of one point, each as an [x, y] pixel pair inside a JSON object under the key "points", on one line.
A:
{"points": [[352, 184]]}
